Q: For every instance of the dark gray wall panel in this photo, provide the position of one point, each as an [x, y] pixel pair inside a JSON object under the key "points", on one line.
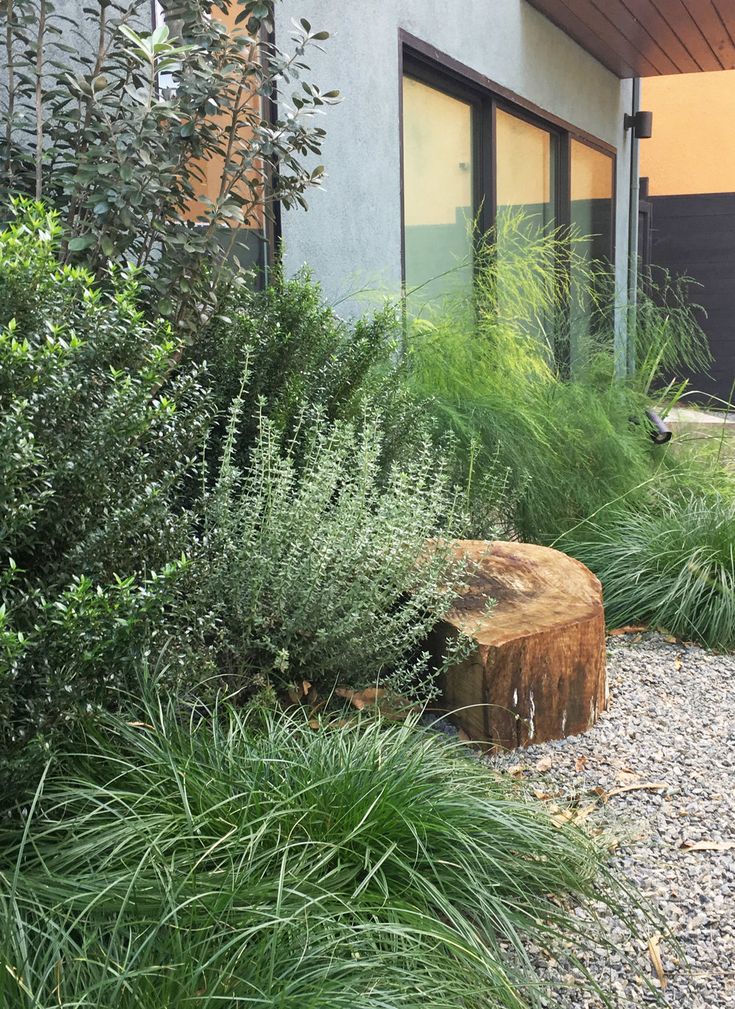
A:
{"points": [[695, 235]]}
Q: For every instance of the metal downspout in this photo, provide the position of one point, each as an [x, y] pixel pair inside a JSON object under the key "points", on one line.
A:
{"points": [[632, 299]]}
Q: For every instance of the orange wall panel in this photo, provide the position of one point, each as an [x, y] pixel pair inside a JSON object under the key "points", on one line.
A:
{"points": [[209, 186], [692, 149]]}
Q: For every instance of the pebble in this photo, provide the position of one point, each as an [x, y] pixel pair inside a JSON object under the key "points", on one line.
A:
{"points": [[670, 720]]}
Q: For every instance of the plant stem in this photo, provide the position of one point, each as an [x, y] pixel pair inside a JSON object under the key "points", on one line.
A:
{"points": [[39, 98], [11, 90]]}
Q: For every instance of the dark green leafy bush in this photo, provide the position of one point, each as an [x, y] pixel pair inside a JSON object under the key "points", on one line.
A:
{"points": [[97, 442], [304, 360]]}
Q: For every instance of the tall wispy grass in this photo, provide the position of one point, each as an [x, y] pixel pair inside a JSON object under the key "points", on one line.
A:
{"points": [[496, 375], [527, 379], [252, 860]]}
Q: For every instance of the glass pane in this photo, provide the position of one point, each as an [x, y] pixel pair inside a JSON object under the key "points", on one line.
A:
{"points": [[592, 193], [526, 195], [526, 161], [437, 185], [591, 216]]}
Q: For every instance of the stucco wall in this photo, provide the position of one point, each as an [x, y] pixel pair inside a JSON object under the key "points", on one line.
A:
{"points": [[351, 234]]}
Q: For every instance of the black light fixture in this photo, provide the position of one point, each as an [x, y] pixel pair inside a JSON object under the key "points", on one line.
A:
{"points": [[641, 123]]}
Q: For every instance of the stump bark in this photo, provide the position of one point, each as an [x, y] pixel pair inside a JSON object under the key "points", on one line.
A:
{"points": [[537, 668]]}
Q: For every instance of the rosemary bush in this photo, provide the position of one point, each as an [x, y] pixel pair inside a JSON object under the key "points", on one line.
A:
{"points": [[315, 564], [302, 358]]}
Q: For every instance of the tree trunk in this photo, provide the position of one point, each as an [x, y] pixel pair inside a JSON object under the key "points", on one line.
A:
{"points": [[537, 668]]}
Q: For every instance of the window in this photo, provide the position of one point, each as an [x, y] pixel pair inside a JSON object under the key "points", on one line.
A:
{"points": [[591, 206], [526, 165], [438, 192], [592, 185], [471, 157]]}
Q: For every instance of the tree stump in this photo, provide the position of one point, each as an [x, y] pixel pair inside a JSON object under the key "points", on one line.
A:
{"points": [[537, 669]]}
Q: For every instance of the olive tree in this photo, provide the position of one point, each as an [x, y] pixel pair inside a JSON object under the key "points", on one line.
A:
{"points": [[119, 126]]}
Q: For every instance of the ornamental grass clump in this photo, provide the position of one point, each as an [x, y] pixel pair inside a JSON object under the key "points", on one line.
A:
{"points": [[253, 859], [526, 380], [670, 566]]}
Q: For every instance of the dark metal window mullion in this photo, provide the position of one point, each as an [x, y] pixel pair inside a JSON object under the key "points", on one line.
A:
{"points": [[485, 175], [564, 220]]}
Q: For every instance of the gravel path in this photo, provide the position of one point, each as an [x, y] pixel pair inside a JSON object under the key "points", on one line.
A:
{"points": [[670, 723]]}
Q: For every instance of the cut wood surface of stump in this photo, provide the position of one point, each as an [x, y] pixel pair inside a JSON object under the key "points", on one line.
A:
{"points": [[537, 669]]}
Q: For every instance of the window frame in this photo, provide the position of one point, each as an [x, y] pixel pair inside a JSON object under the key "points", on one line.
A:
{"points": [[423, 62]]}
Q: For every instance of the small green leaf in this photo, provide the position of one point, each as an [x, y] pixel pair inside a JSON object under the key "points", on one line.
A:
{"points": [[81, 242]]}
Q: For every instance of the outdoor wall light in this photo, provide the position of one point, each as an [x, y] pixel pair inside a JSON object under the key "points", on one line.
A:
{"points": [[641, 124]]}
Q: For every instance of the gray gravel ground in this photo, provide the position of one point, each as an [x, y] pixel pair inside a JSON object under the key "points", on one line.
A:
{"points": [[670, 723]]}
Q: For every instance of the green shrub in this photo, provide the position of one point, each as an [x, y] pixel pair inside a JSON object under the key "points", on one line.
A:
{"points": [[314, 564], [670, 565], [302, 358], [253, 860], [97, 442]]}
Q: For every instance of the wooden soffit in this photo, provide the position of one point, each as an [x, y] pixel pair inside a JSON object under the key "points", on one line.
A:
{"points": [[649, 38]]}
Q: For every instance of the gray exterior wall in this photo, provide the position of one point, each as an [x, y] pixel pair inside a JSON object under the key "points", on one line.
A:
{"points": [[351, 234]]}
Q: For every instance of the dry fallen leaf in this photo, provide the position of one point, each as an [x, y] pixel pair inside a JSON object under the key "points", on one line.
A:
{"points": [[654, 951], [580, 764], [544, 764], [141, 725], [293, 695], [390, 705], [643, 786], [463, 736], [677, 662], [584, 811], [516, 771], [626, 775], [561, 816], [628, 629], [707, 845], [360, 698]]}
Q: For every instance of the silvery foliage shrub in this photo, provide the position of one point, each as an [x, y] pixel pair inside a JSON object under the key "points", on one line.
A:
{"points": [[317, 566], [97, 443], [122, 129]]}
